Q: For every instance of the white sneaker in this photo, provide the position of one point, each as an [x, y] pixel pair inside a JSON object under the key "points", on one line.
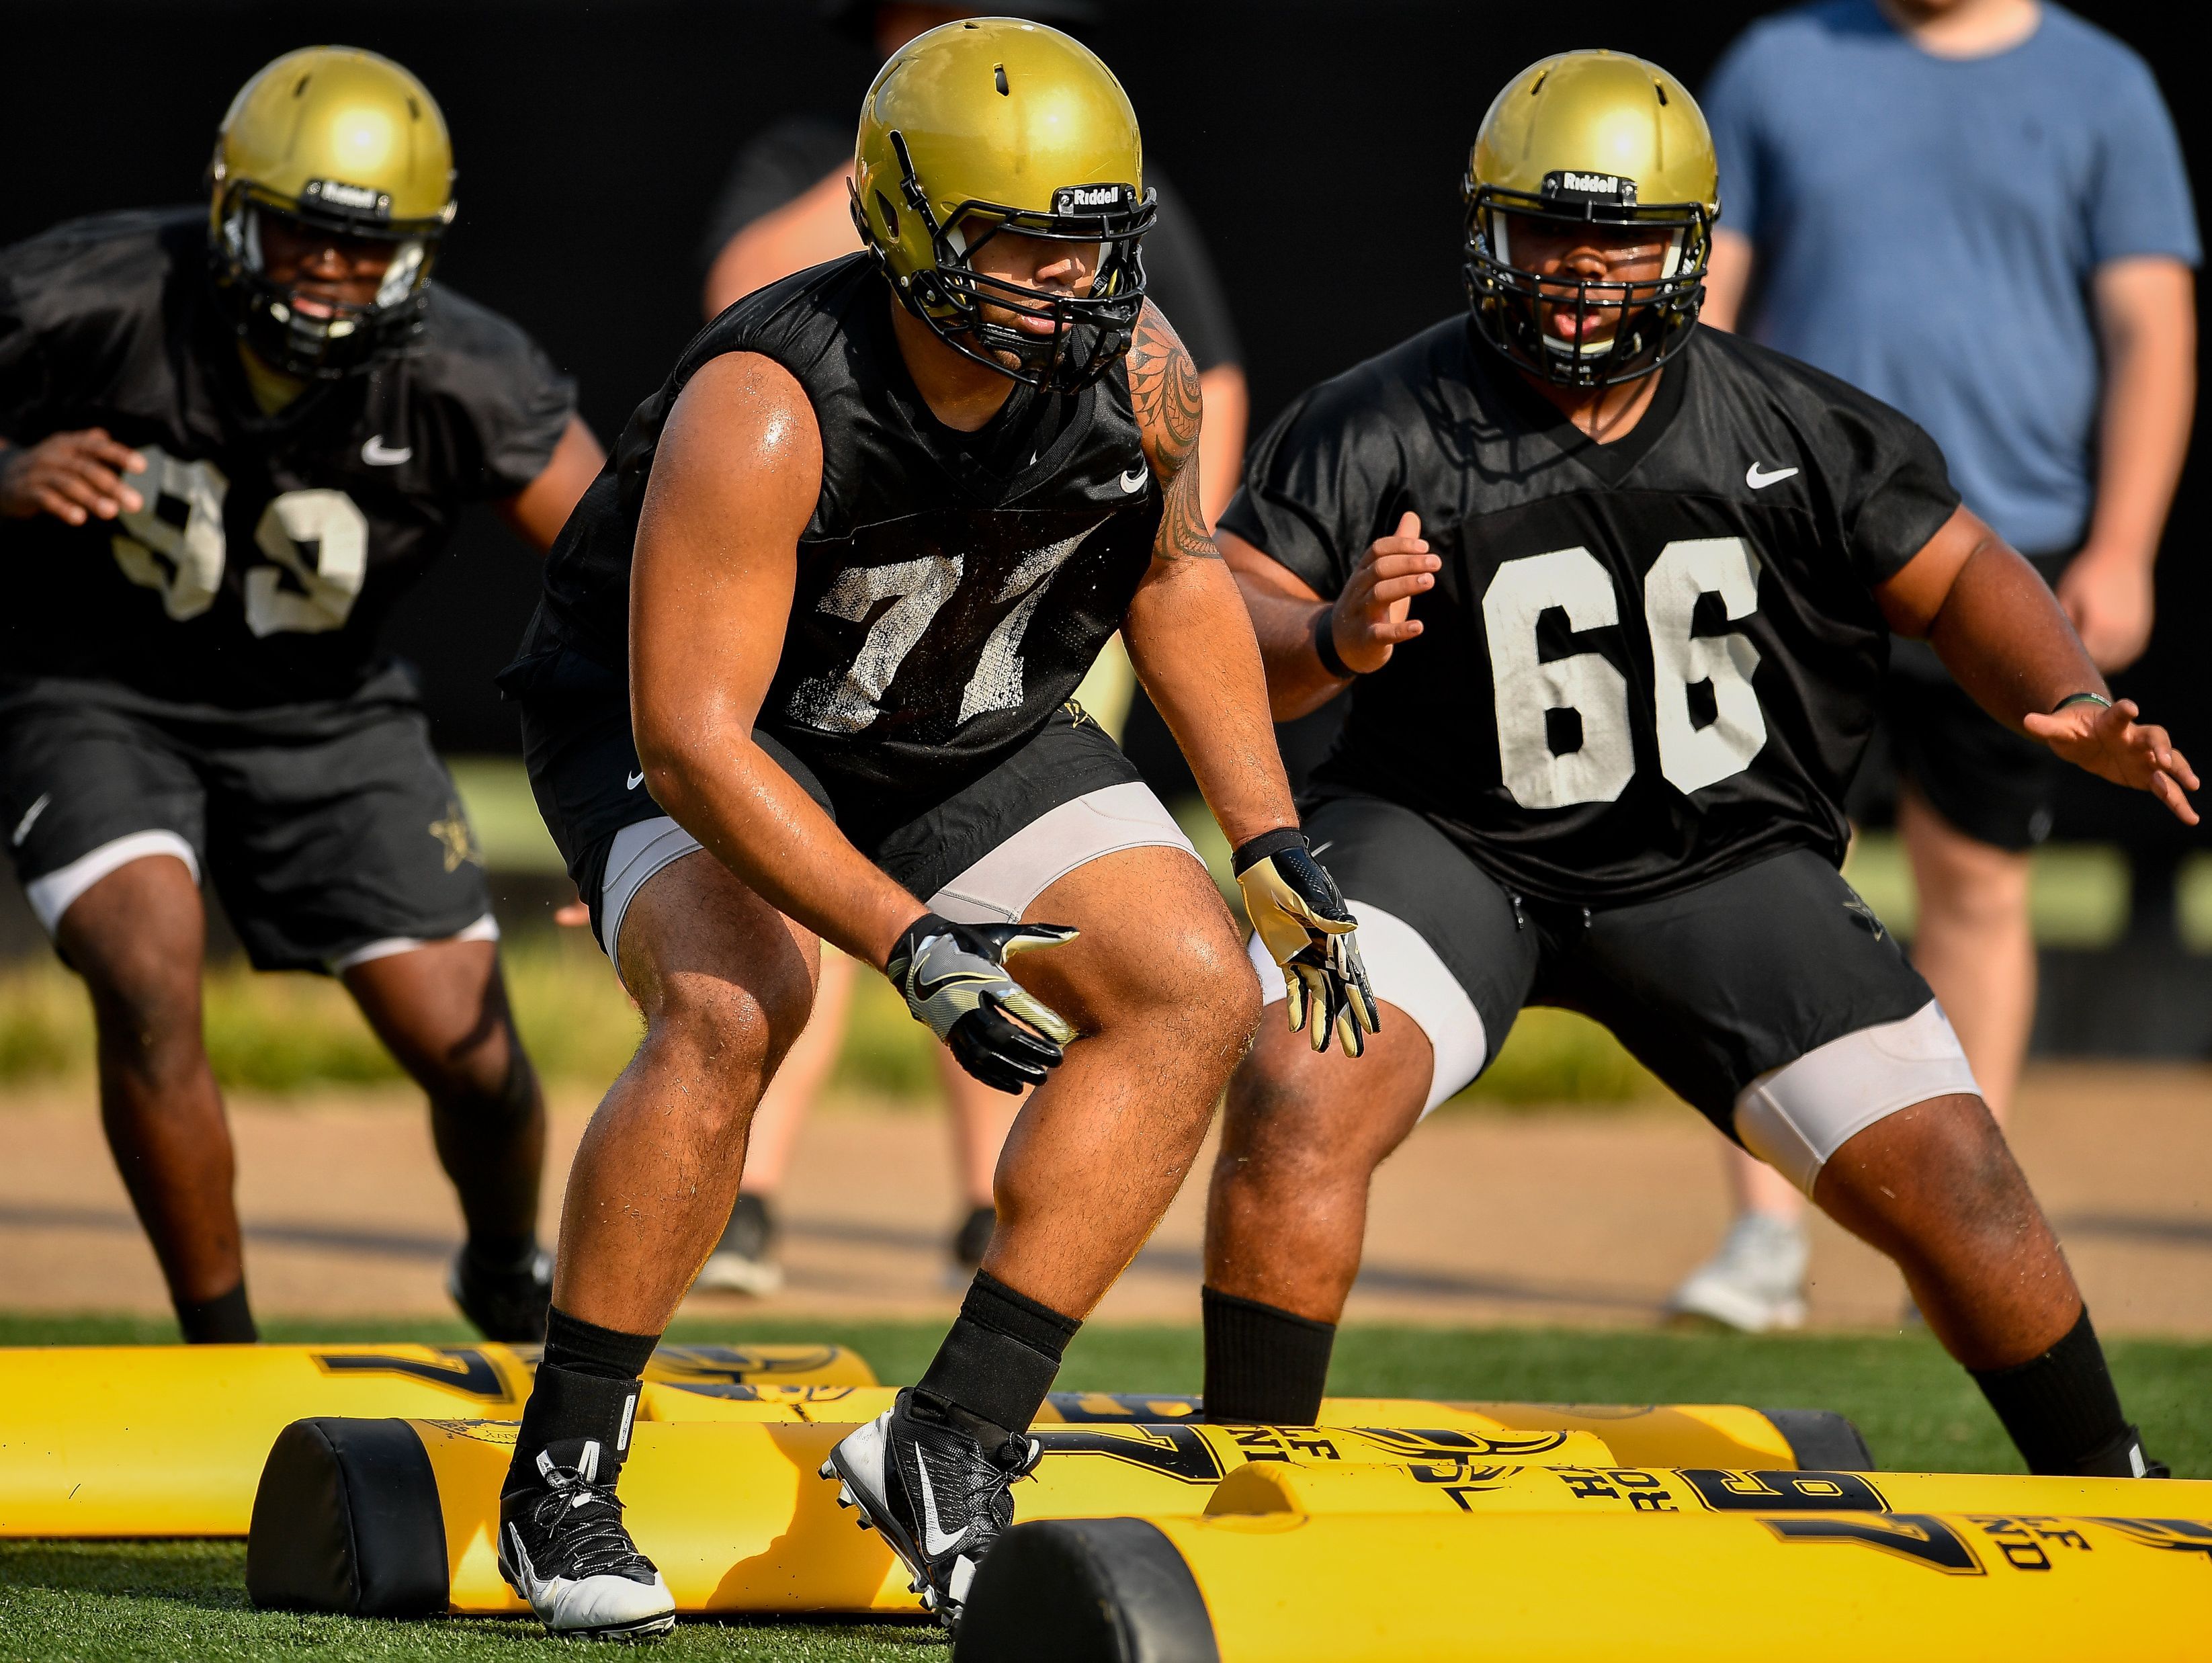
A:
{"points": [[744, 1260], [1756, 1281], [736, 1273]]}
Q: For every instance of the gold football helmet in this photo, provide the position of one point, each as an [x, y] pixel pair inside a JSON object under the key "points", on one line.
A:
{"points": [[345, 143], [1590, 137], [1016, 127]]}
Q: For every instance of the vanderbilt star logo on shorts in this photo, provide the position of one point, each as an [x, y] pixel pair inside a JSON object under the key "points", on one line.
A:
{"points": [[460, 844]]}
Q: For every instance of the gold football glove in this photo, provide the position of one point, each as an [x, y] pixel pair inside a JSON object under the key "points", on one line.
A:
{"points": [[1304, 923]]}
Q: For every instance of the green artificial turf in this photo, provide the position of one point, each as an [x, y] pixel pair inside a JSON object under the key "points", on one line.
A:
{"points": [[103, 1600]]}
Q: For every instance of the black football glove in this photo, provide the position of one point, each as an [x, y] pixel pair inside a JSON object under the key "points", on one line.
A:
{"points": [[953, 978], [1306, 928]]}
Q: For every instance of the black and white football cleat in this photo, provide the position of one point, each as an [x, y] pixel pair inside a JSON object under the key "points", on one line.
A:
{"points": [[507, 1305], [934, 1478], [565, 1549]]}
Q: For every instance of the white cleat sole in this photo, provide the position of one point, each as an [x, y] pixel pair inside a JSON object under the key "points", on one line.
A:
{"points": [[596, 1608]]}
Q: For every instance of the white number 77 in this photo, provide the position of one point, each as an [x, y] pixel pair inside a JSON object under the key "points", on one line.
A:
{"points": [[850, 702]]}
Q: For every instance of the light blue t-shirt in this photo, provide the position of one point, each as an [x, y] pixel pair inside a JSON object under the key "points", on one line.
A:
{"points": [[1926, 228]]}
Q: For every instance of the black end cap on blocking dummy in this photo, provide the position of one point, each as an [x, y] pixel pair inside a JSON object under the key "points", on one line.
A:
{"points": [[1085, 1591], [347, 1520], [1822, 1440]]}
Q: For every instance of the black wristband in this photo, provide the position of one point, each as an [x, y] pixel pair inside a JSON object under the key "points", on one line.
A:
{"points": [[2081, 699], [1324, 641], [1251, 853]]}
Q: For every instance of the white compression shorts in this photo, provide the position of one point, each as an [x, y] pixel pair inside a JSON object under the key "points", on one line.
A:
{"points": [[997, 889], [1793, 1117]]}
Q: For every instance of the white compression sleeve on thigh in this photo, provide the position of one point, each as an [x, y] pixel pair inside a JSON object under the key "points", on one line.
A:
{"points": [[1406, 973], [57, 891], [998, 888], [638, 851], [1794, 1117]]}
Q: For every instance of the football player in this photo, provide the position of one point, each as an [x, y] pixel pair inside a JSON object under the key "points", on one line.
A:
{"points": [[786, 207], [802, 672], [1610, 595], [233, 434]]}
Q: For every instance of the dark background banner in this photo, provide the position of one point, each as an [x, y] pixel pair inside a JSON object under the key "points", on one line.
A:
{"points": [[1320, 144]]}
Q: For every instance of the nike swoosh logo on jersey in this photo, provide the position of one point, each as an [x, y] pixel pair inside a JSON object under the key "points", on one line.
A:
{"points": [[935, 1539], [30, 819], [1760, 482], [377, 454], [636, 779], [1132, 479]]}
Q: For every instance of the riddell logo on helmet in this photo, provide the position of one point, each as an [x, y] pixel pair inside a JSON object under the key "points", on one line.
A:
{"points": [[353, 199], [1566, 185], [1091, 199]]}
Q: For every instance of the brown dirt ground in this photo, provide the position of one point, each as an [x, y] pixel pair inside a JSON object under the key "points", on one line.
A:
{"points": [[1573, 1217]]}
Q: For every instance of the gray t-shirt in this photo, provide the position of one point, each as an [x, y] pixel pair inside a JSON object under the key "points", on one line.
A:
{"points": [[793, 156], [1926, 228]]}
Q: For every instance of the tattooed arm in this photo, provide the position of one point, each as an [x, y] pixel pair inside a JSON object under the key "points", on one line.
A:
{"points": [[1186, 630]]}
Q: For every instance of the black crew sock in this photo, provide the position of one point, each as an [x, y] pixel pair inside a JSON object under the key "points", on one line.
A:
{"points": [[1263, 1363], [585, 1348], [999, 1359], [585, 1392], [225, 1320], [2062, 1411]]}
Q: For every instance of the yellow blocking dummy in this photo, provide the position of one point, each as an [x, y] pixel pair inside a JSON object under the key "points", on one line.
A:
{"points": [[170, 1440], [398, 1518], [669, 1401], [1651, 1434], [1458, 1486], [1556, 1587]]}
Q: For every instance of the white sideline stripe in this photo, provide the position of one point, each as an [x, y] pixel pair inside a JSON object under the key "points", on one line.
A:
{"points": [[1794, 1117], [54, 894], [484, 929], [1404, 970]]}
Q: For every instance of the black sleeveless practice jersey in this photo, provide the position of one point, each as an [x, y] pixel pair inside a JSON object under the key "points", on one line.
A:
{"points": [[953, 588], [1644, 662], [270, 550]]}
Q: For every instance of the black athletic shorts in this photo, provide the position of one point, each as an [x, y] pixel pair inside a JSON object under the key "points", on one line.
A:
{"points": [[1995, 785], [584, 768], [331, 830], [1709, 988]]}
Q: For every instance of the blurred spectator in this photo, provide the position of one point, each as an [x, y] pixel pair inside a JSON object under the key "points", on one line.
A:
{"points": [[784, 208], [1977, 210]]}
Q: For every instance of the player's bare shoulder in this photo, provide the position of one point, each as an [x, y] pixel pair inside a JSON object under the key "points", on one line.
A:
{"points": [[745, 410]]}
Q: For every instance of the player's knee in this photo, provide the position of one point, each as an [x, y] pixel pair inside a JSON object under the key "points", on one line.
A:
{"points": [[1276, 1130], [147, 1015], [490, 1085], [1976, 900], [733, 1029], [1206, 975]]}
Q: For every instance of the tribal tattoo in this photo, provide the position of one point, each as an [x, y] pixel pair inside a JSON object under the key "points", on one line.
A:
{"points": [[1164, 386]]}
